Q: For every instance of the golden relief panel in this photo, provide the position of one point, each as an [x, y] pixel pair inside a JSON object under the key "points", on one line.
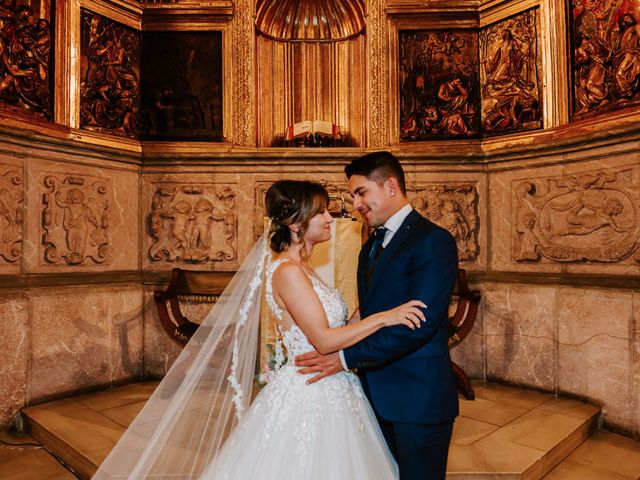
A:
{"points": [[75, 220], [11, 216], [605, 41], [439, 91], [26, 41], [509, 75], [454, 208], [194, 223], [590, 217]]}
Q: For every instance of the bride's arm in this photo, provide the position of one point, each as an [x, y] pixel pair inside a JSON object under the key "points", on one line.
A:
{"points": [[294, 290]]}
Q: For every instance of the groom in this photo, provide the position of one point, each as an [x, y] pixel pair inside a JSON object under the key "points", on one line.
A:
{"points": [[405, 373]]}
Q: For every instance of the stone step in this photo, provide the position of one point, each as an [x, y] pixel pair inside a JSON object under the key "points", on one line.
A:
{"points": [[506, 433]]}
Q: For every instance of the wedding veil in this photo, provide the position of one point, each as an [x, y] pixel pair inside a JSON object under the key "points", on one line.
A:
{"points": [[188, 417]]}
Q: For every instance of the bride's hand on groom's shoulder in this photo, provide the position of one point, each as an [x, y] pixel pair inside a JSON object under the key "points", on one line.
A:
{"points": [[408, 314]]}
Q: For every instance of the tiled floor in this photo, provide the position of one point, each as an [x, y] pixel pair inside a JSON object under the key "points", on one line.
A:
{"points": [[27, 462], [505, 433]]}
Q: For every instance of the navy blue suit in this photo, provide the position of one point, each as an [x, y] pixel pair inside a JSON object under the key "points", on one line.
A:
{"points": [[407, 373]]}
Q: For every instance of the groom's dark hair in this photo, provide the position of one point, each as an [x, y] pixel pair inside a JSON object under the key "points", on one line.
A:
{"points": [[378, 167]]}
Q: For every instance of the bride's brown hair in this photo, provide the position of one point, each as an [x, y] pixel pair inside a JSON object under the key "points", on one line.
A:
{"points": [[291, 202]]}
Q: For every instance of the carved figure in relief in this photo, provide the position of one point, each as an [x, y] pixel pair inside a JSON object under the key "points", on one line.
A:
{"points": [[588, 217], [77, 217], [193, 224], [585, 217], [75, 220], [590, 58], [527, 244], [626, 77], [510, 91], [455, 209], [11, 200], [455, 108]]}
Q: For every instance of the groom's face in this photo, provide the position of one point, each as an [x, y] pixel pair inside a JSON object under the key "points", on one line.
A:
{"points": [[371, 199]]}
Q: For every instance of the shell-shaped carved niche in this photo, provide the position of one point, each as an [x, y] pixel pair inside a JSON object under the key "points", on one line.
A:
{"points": [[310, 20]]}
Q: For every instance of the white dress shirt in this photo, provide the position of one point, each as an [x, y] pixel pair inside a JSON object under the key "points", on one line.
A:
{"points": [[392, 225]]}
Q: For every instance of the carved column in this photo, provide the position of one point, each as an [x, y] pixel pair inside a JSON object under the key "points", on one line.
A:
{"points": [[243, 61], [554, 59], [377, 69]]}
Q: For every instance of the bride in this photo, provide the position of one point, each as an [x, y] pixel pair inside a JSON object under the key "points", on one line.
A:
{"points": [[200, 423]]}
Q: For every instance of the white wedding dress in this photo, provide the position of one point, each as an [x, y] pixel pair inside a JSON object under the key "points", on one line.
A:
{"points": [[325, 430]]}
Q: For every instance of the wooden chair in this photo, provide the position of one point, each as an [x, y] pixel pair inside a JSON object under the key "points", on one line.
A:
{"points": [[464, 304], [187, 286], [199, 286]]}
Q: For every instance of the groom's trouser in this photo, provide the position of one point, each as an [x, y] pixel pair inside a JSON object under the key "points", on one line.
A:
{"points": [[421, 450]]}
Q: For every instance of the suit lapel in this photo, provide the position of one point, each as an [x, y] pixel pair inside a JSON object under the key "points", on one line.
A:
{"points": [[387, 254]]}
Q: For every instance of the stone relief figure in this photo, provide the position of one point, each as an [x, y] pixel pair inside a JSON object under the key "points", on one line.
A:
{"points": [[193, 223], [439, 94], [588, 217], [509, 75], [110, 76], [75, 221], [25, 59], [605, 38], [11, 205], [455, 208]]}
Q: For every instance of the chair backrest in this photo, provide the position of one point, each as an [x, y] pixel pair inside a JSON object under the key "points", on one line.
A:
{"points": [[464, 305], [187, 286]]}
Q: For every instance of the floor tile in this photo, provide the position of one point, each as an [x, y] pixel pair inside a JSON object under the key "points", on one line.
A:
{"points": [[118, 397], [467, 430], [488, 411], [124, 414], [516, 397], [610, 452], [539, 429], [569, 406], [570, 470]]}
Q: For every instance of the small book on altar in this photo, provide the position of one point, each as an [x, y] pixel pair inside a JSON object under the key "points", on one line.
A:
{"points": [[311, 127]]}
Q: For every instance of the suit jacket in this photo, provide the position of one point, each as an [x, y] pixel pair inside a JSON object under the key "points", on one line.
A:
{"points": [[407, 373]]}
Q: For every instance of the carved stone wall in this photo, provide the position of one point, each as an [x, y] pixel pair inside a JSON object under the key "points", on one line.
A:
{"points": [[11, 214], [75, 220], [193, 223], [590, 217], [455, 208]]}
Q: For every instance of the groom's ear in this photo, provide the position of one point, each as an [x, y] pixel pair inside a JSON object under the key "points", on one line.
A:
{"points": [[391, 186]]}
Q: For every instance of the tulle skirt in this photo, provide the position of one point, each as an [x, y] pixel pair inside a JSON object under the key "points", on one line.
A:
{"points": [[324, 431]]}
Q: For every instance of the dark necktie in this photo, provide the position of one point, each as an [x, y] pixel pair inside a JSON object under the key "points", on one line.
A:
{"points": [[374, 252]]}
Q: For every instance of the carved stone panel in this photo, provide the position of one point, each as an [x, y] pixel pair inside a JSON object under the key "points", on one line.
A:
{"points": [[26, 50], [453, 207], [439, 91], [11, 216], [593, 216], [193, 223], [75, 220], [509, 75], [110, 76], [606, 61]]}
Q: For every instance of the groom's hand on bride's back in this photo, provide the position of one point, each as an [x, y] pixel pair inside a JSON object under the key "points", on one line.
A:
{"points": [[323, 365]]}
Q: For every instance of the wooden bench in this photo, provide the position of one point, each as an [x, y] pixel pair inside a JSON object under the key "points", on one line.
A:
{"points": [[204, 286]]}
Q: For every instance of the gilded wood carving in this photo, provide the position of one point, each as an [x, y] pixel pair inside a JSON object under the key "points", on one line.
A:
{"points": [[110, 76], [11, 205], [439, 91], [605, 43], [454, 208], [194, 223], [75, 220], [182, 85], [593, 216], [509, 76], [26, 58]]}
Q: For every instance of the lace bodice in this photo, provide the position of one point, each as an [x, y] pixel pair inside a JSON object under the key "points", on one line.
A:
{"points": [[295, 341]]}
